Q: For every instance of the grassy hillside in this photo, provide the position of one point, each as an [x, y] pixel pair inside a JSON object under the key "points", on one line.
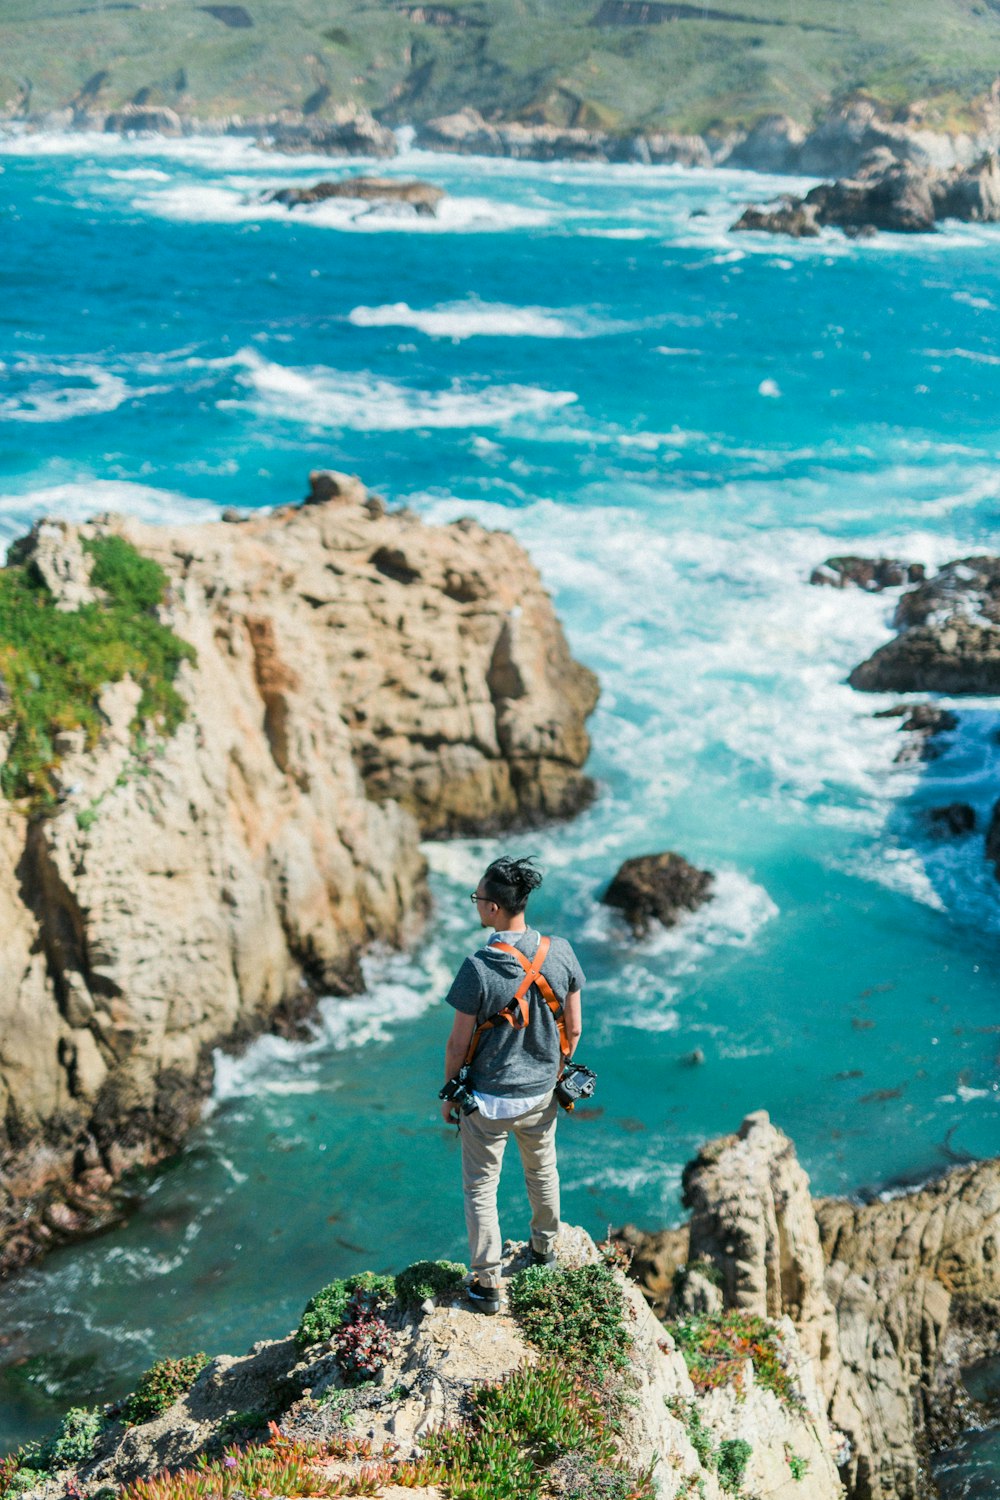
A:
{"points": [[611, 63]]}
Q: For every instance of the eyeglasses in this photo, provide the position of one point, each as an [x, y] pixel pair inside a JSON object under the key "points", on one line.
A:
{"points": [[477, 897]]}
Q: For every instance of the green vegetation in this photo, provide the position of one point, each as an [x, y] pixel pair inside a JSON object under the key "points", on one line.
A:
{"points": [[727, 1458], [161, 1385], [53, 663], [731, 1459], [716, 1347], [578, 1314], [71, 1445], [798, 1465], [324, 1313], [428, 1278], [733, 62]]}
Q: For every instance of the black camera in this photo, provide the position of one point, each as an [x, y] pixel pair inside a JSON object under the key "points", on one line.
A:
{"points": [[575, 1082], [458, 1091]]}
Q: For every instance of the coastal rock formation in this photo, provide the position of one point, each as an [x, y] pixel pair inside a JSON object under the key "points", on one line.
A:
{"points": [[423, 197], [362, 680], [885, 193], [343, 131], [441, 1355], [467, 132], [949, 635], [890, 1299], [657, 888], [870, 573], [922, 722]]}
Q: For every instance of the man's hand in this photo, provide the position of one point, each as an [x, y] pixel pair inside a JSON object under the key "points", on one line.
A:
{"points": [[449, 1112]]}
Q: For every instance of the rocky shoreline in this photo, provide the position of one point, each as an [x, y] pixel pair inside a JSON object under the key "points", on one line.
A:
{"points": [[837, 144], [354, 681]]}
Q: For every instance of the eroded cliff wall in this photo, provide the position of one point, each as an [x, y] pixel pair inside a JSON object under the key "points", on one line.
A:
{"points": [[361, 680]]}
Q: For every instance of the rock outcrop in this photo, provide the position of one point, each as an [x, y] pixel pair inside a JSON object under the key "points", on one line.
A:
{"points": [[362, 680], [657, 888], [890, 1299], [885, 193], [442, 1355], [422, 197], [949, 635]]}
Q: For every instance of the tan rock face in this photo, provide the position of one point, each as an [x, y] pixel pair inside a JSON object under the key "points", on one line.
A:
{"points": [[889, 1299], [362, 680]]}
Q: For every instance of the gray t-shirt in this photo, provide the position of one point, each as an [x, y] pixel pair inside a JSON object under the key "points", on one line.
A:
{"points": [[515, 1064]]}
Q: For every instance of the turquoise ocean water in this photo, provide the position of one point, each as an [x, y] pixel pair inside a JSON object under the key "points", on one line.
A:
{"points": [[679, 423]]}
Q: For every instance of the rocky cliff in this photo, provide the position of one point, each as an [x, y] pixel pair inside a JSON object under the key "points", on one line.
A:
{"points": [[890, 1299], [573, 1392], [360, 680]]}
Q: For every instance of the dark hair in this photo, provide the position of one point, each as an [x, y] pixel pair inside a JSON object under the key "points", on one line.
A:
{"points": [[509, 882]]}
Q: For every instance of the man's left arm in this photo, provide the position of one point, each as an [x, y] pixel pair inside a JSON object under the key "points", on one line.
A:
{"points": [[573, 1019]]}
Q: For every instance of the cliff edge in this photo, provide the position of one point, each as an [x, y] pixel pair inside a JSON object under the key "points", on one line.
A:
{"points": [[349, 681]]}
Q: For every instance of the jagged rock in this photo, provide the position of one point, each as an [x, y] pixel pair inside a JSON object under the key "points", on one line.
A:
{"points": [[55, 551], [343, 132], [423, 197], [890, 195], [992, 848], [774, 144], [903, 195], [891, 1299], [206, 888], [923, 722], [787, 215], [144, 119], [953, 820], [665, 148], [447, 1350], [870, 573], [466, 131], [657, 887], [949, 635]]}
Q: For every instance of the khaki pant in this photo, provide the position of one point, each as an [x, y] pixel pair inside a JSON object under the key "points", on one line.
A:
{"points": [[483, 1143]]}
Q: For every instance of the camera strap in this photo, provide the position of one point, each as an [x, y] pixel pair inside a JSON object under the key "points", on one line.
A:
{"points": [[517, 1012]]}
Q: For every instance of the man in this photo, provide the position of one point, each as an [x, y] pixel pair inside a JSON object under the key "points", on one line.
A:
{"points": [[514, 1067]]}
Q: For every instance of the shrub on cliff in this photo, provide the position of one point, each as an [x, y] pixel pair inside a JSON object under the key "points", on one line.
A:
{"points": [[428, 1278], [72, 1444], [326, 1311], [54, 663], [578, 1314], [160, 1386], [716, 1347]]}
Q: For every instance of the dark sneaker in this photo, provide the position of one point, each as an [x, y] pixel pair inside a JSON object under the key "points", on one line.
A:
{"points": [[486, 1299], [541, 1257]]}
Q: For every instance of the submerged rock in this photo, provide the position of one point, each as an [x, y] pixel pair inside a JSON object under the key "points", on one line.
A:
{"points": [[953, 820], [657, 887], [423, 197]]}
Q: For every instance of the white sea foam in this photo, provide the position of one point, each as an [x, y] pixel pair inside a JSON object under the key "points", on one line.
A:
{"points": [[324, 398], [61, 391], [234, 202], [472, 319], [82, 499]]}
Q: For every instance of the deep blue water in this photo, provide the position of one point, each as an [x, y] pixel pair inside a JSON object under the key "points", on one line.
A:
{"points": [[679, 423]]}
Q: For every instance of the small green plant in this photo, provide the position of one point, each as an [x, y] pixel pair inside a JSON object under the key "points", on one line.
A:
{"points": [[716, 1347], [428, 1278], [160, 1386], [731, 1460], [242, 1422], [54, 662], [699, 1436], [707, 1269], [578, 1314], [798, 1465], [324, 1313], [76, 1439], [578, 1476]]}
